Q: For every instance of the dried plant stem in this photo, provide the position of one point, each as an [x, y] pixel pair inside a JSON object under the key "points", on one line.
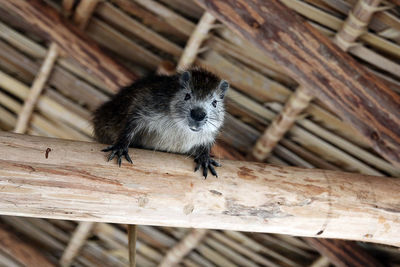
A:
{"points": [[132, 237], [180, 250], [83, 12], [196, 39], [78, 239], [356, 23], [296, 104], [67, 6], [36, 89]]}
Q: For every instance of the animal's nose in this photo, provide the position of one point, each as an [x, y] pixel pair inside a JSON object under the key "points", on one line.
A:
{"points": [[198, 114]]}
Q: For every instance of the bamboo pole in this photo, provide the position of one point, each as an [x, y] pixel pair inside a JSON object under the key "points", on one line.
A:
{"points": [[310, 202], [312, 59], [78, 239], [36, 89], [199, 34], [132, 239], [83, 12], [180, 250], [282, 123]]}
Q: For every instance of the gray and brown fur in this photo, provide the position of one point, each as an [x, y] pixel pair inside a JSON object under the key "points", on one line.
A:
{"points": [[181, 114]]}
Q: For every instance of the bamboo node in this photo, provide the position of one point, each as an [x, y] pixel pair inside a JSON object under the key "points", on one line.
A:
{"points": [[372, 9]]}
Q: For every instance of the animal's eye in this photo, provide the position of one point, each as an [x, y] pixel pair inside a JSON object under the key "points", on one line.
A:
{"points": [[187, 96], [214, 103]]}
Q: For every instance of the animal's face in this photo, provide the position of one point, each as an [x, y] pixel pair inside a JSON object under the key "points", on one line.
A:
{"points": [[199, 106]]}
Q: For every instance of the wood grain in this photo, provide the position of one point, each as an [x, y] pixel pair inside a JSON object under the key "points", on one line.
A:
{"points": [[357, 96], [75, 182], [51, 25]]}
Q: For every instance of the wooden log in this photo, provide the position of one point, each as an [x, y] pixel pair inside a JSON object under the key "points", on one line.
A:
{"points": [[334, 77], [49, 23], [75, 182]]}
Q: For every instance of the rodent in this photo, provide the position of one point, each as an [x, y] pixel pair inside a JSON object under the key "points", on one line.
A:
{"points": [[181, 113]]}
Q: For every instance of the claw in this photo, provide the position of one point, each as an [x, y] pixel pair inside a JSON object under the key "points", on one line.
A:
{"points": [[197, 167], [128, 158], [119, 151], [213, 172], [112, 155], [215, 163], [206, 163], [109, 148]]}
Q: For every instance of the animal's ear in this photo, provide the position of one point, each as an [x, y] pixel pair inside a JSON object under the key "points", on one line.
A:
{"points": [[223, 87], [184, 80]]}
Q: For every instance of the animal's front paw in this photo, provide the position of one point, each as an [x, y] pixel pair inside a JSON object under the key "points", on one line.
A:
{"points": [[207, 163], [119, 151]]}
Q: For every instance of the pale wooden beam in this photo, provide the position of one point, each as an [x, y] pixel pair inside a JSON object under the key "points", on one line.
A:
{"points": [[83, 12], [36, 89], [358, 97], [175, 255], [296, 104], [199, 34], [76, 182], [75, 244]]}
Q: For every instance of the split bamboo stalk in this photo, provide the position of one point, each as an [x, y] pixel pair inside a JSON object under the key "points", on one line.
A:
{"points": [[67, 6], [50, 24], [24, 253], [318, 69], [354, 26], [78, 239], [83, 12], [310, 202], [184, 246], [36, 89], [282, 123], [356, 23], [199, 34]]}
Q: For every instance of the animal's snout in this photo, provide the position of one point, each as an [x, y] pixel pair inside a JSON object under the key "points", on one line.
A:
{"points": [[198, 114]]}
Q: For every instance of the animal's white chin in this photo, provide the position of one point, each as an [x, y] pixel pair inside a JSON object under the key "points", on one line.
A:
{"points": [[195, 129]]}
